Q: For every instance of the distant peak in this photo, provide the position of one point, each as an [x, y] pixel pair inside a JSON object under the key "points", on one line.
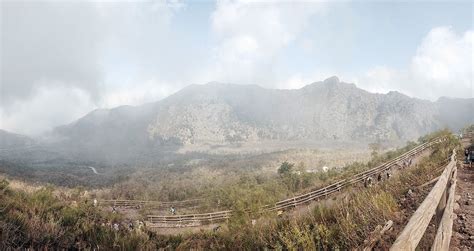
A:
{"points": [[215, 83], [396, 93], [333, 79], [333, 82]]}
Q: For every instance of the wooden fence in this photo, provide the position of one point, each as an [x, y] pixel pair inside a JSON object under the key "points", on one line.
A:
{"points": [[141, 203], [439, 202], [201, 219]]}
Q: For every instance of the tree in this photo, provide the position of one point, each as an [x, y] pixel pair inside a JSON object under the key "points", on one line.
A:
{"points": [[285, 168]]}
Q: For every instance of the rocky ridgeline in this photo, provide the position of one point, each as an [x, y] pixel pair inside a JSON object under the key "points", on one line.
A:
{"points": [[220, 114]]}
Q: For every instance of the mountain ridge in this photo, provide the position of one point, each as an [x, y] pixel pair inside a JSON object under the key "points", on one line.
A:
{"points": [[223, 114]]}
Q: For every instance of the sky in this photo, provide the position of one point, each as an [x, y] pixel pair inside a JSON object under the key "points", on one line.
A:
{"points": [[63, 59]]}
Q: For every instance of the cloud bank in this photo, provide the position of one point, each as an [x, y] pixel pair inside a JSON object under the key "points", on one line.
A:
{"points": [[441, 66], [60, 60], [252, 35]]}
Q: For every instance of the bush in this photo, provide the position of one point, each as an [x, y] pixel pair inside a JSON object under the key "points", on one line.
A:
{"points": [[285, 168]]}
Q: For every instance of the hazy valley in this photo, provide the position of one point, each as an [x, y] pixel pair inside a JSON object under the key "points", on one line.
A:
{"points": [[236, 125]]}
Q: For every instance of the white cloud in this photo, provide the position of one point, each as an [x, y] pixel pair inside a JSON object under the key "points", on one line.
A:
{"points": [[107, 54], [48, 44], [66, 52], [251, 35], [441, 66], [51, 106], [149, 91]]}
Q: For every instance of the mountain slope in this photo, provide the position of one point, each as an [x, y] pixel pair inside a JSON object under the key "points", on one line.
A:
{"points": [[10, 140], [220, 114]]}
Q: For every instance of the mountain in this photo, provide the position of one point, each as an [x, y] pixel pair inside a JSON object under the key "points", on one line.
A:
{"points": [[225, 114], [10, 140]]}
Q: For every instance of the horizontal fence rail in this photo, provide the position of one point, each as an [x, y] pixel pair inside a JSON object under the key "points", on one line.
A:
{"points": [[135, 203], [205, 218], [439, 202]]}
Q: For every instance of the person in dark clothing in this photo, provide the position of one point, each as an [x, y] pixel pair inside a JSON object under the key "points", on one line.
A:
{"points": [[466, 155], [368, 182]]}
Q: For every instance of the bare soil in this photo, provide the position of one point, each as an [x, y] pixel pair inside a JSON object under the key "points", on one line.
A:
{"points": [[409, 203]]}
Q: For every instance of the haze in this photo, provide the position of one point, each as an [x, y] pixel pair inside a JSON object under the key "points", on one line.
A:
{"points": [[61, 60]]}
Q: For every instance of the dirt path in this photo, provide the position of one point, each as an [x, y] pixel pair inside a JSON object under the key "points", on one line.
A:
{"points": [[93, 169], [463, 229]]}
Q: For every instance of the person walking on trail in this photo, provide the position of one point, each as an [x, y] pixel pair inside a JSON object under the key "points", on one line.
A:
{"points": [[368, 182], [466, 154], [173, 210], [470, 158]]}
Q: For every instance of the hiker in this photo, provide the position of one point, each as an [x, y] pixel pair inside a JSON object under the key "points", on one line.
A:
{"points": [[95, 202], [173, 210], [368, 182], [401, 164], [466, 154], [470, 158], [139, 224]]}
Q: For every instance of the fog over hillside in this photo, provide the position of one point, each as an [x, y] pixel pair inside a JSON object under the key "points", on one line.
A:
{"points": [[201, 117], [218, 114]]}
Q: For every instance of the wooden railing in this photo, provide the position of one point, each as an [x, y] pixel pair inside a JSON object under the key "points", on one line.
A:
{"points": [[200, 219], [187, 220], [439, 202], [135, 203]]}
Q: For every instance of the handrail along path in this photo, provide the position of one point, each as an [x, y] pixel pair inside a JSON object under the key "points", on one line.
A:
{"points": [[205, 218]]}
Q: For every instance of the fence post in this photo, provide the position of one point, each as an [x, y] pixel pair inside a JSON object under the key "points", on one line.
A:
{"points": [[441, 206], [445, 229], [419, 221]]}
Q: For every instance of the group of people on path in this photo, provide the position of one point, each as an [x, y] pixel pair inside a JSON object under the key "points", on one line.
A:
{"points": [[368, 182], [406, 163], [125, 225]]}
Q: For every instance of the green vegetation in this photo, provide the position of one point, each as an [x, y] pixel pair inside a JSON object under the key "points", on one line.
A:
{"points": [[41, 219], [285, 168]]}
